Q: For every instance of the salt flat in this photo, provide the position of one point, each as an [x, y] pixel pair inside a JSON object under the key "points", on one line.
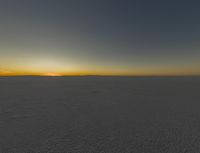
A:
{"points": [[99, 115]]}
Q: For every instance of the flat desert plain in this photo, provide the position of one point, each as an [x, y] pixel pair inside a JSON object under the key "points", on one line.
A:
{"points": [[99, 115]]}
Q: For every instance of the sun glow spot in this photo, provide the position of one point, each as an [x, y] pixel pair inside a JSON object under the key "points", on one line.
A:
{"points": [[52, 74]]}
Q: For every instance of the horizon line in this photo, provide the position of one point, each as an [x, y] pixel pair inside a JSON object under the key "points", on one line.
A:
{"points": [[100, 76]]}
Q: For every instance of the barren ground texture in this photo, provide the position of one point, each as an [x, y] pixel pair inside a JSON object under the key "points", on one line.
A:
{"points": [[99, 115]]}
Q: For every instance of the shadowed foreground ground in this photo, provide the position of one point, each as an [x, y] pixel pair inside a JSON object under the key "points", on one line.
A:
{"points": [[99, 115]]}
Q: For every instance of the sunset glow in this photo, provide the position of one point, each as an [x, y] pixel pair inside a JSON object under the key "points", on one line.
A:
{"points": [[126, 38], [52, 74]]}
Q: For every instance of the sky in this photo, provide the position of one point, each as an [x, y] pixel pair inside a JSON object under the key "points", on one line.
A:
{"points": [[100, 37]]}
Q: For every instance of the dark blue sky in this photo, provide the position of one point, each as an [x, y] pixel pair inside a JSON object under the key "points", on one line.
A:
{"points": [[140, 37]]}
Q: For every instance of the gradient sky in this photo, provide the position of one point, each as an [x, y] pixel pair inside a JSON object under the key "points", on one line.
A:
{"points": [[99, 37]]}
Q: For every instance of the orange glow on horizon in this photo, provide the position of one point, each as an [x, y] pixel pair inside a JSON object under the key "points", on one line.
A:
{"points": [[52, 74], [109, 71], [100, 73]]}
